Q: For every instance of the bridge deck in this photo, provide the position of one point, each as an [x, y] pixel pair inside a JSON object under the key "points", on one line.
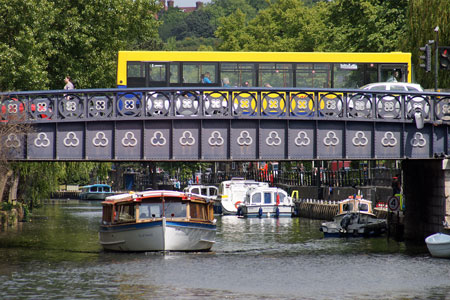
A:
{"points": [[218, 124]]}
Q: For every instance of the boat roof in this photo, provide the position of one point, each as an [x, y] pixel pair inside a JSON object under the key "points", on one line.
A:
{"points": [[138, 196], [266, 189], [97, 184]]}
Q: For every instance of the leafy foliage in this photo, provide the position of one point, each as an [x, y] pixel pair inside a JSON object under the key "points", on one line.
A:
{"points": [[423, 17], [42, 41]]}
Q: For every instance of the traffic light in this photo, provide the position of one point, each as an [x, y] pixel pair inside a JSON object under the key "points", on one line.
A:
{"points": [[426, 57], [444, 59]]}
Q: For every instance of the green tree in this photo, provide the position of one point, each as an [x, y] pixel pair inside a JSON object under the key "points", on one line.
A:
{"points": [[423, 17], [286, 25], [41, 41], [366, 25]]}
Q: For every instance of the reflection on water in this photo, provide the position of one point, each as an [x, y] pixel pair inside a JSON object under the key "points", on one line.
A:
{"points": [[57, 256]]}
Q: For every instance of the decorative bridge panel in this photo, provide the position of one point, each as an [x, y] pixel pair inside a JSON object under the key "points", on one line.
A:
{"points": [[214, 124]]}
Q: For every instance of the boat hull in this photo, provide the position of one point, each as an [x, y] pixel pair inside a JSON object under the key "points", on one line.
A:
{"points": [[439, 245], [95, 196], [372, 229], [269, 211], [161, 235]]}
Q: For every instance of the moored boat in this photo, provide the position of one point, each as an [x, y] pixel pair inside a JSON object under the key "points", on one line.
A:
{"points": [[96, 192], [157, 221], [232, 193], [439, 245], [266, 202], [355, 217]]}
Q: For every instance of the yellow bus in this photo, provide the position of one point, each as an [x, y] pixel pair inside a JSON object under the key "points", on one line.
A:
{"points": [[260, 69]]}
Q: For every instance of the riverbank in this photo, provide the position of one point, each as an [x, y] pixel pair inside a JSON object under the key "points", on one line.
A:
{"points": [[11, 213]]}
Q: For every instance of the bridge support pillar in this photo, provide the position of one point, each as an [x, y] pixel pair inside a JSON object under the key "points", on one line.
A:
{"points": [[426, 189]]}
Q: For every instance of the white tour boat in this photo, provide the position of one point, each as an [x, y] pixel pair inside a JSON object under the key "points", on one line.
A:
{"points": [[355, 217], [232, 193], [157, 221], [266, 202]]}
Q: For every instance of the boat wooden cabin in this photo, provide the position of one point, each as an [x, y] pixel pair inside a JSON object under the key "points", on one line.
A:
{"points": [[157, 221]]}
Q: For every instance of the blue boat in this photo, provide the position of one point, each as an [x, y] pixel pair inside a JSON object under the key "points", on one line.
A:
{"points": [[96, 192]]}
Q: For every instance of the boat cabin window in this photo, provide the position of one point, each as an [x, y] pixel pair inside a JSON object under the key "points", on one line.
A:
{"points": [[347, 207], [267, 198], [363, 207], [198, 211], [175, 209], [282, 197], [93, 189], [195, 190], [125, 213], [212, 191], [107, 214], [256, 198], [150, 210], [204, 191]]}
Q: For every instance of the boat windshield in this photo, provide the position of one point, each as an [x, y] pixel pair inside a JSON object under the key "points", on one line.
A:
{"points": [[282, 197], [256, 198], [150, 210], [175, 209], [347, 207], [363, 207]]}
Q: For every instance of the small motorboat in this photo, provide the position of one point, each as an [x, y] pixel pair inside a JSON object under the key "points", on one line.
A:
{"points": [[355, 217], [157, 221], [232, 193], [96, 192], [439, 245], [260, 202], [206, 191]]}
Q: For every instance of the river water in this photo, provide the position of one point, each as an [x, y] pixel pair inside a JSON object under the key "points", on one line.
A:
{"points": [[57, 256]]}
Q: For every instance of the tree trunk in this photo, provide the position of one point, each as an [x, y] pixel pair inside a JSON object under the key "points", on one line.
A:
{"points": [[14, 187], [3, 180]]}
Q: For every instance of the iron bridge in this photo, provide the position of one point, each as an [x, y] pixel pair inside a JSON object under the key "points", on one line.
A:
{"points": [[224, 124]]}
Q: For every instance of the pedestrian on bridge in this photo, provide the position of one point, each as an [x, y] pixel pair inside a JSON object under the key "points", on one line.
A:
{"points": [[69, 84]]}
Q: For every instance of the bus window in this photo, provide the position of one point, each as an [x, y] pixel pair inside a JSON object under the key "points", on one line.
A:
{"points": [[237, 73], [348, 75], [393, 73], [194, 73], [174, 73], [371, 74], [313, 75], [157, 75], [135, 74], [276, 75]]}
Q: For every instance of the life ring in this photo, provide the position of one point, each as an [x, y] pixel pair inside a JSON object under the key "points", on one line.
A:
{"points": [[237, 204]]}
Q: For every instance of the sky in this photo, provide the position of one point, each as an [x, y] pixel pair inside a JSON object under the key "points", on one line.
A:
{"points": [[187, 3]]}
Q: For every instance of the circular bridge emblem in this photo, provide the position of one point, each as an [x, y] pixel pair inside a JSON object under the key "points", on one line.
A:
{"points": [[331, 139], [215, 139], [418, 141], [42, 140], [187, 139], [158, 139], [100, 139], [360, 139], [129, 140], [389, 139], [71, 139], [244, 139], [273, 139], [12, 141], [302, 139]]}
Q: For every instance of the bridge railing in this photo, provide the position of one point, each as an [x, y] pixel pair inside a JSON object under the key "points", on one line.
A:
{"points": [[228, 103]]}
